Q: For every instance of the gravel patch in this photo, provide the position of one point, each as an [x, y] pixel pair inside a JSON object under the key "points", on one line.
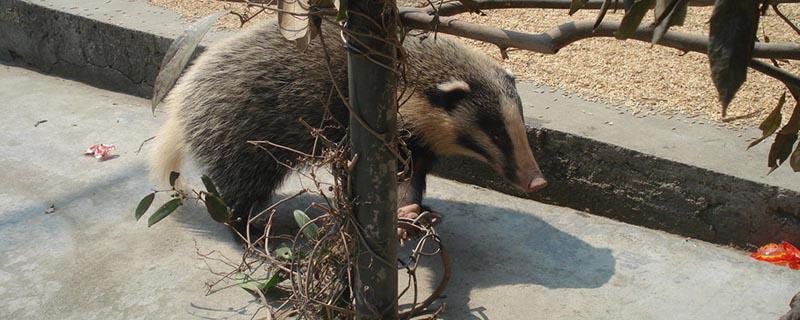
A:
{"points": [[638, 78]]}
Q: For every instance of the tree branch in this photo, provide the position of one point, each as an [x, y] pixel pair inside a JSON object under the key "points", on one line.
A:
{"points": [[456, 7], [551, 41], [782, 75], [784, 18]]}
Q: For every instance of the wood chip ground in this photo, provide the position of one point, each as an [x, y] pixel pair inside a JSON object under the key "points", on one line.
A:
{"points": [[641, 78]]}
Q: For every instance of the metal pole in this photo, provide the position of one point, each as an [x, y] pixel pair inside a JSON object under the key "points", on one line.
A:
{"points": [[372, 89]]}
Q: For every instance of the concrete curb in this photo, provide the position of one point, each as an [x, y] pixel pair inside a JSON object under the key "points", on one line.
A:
{"points": [[638, 187], [646, 190], [80, 48]]}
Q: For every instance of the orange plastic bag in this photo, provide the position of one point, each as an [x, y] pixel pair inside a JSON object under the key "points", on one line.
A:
{"points": [[784, 254]]}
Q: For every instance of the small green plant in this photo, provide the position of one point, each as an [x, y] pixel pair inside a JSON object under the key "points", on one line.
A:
{"points": [[267, 285], [220, 212], [216, 207], [258, 287]]}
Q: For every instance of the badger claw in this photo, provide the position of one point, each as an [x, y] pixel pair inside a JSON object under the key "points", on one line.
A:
{"points": [[419, 215]]}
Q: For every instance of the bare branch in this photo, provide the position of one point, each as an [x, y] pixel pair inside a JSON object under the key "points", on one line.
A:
{"points": [[455, 7], [551, 41], [790, 80], [784, 18]]}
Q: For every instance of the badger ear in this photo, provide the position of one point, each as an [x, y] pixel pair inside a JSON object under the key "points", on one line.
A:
{"points": [[446, 95], [510, 73]]}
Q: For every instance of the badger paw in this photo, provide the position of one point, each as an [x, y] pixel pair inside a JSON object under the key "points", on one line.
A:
{"points": [[416, 214]]}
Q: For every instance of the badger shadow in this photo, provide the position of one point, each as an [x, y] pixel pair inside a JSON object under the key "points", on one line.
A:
{"points": [[489, 247]]}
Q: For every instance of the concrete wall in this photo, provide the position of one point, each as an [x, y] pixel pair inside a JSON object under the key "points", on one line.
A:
{"points": [[71, 46]]}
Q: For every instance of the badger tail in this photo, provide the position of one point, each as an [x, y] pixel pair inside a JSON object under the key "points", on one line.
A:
{"points": [[170, 146]]}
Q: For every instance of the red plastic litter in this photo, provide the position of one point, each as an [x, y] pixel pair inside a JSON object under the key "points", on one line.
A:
{"points": [[783, 254], [100, 151]]}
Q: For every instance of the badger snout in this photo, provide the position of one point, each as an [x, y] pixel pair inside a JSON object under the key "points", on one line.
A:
{"points": [[538, 183], [530, 178], [530, 183]]}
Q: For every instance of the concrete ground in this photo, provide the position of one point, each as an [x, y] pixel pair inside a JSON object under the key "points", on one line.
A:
{"points": [[513, 258]]}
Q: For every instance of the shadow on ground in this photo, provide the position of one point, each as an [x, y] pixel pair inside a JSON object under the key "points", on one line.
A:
{"points": [[491, 247]]}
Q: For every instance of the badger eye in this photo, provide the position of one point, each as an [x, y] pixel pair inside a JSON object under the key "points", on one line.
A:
{"points": [[447, 95]]}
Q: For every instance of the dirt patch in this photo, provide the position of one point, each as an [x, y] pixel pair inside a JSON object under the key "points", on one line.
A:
{"points": [[644, 79]]}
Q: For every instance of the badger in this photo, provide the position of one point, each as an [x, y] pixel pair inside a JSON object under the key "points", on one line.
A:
{"points": [[256, 86]]}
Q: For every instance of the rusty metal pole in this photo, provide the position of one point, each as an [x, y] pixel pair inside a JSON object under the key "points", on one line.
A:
{"points": [[372, 37]]}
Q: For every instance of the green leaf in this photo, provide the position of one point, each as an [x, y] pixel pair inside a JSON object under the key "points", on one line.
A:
{"points": [[576, 5], [794, 161], [732, 35], [217, 208], [179, 54], [771, 123], [209, 185], [667, 15], [272, 282], [246, 282], [173, 176], [283, 252], [164, 211], [144, 205], [311, 230], [780, 150], [681, 11], [663, 8], [633, 18], [602, 14]]}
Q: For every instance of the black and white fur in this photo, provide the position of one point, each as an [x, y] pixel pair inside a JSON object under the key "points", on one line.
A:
{"points": [[256, 85]]}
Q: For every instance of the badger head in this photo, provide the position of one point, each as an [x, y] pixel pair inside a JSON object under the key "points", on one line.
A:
{"points": [[466, 104]]}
